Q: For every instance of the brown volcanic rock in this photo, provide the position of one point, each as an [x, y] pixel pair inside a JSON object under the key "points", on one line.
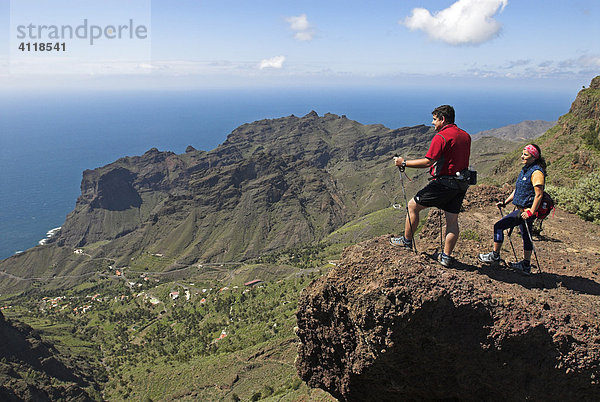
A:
{"points": [[386, 324]]}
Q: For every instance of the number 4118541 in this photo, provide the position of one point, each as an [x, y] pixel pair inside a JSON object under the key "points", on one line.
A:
{"points": [[42, 47]]}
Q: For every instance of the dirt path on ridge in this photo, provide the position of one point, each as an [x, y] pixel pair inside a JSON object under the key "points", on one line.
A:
{"points": [[568, 248]]}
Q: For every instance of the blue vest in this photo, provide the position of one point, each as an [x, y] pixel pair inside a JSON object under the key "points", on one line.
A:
{"points": [[524, 192]]}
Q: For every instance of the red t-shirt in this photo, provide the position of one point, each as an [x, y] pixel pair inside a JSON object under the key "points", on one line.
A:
{"points": [[450, 149]]}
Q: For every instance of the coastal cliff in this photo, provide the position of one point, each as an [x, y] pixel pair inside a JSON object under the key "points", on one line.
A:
{"points": [[273, 184]]}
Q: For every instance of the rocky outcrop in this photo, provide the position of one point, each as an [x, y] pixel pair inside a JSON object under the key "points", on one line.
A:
{"points": [[587, 103], [31, 369], [386, 324]]}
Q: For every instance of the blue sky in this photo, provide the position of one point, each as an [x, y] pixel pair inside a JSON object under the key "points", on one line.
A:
{"points": [[194, 44]]}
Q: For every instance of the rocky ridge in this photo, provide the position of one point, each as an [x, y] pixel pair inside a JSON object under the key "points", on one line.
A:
{"points": [[270, 161], [273, 184], [525, 130]]}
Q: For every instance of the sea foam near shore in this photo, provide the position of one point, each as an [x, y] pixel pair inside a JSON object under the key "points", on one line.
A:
{"points": [[49, 235]]}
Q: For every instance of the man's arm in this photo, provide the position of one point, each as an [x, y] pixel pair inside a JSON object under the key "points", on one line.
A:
{"points": [[414, 163]]}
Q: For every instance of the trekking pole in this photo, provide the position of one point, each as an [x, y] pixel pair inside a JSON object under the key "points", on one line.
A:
{"points": [[509, 233], [441, 234], [414, 243], [532, 246]]}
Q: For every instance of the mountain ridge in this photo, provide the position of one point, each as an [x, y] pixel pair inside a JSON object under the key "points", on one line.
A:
{"points": [[273, 184], [525, 130]]}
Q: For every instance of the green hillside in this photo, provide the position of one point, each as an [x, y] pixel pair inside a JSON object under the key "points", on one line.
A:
{"points": [[208, 337], [572, 151]]}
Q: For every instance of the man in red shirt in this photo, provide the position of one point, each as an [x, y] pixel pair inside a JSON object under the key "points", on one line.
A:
{"points": [[447, 158]]}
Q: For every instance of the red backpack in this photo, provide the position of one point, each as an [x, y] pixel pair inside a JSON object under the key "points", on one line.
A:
{"points": [[545, 207]]}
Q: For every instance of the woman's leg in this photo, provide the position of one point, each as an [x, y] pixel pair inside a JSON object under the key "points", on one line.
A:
{"points": [[508, 221]]}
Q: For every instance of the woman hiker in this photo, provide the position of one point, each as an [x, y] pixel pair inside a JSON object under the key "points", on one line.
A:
{"points": [[526, 197]]}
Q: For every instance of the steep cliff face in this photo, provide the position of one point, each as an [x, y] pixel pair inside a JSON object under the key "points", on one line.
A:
{"points": [[119, 198]]}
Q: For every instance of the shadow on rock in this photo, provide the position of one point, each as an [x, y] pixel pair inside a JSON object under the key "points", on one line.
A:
{"points": [[543, 280], [538, 280]]}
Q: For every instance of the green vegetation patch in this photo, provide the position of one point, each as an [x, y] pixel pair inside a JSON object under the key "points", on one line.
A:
{"points": [[203, 341], [150, 262], [583, 199], [468, 234], [383, 221]]}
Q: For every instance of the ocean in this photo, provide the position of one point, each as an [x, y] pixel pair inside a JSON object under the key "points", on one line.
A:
{"points": [[48, 139]]}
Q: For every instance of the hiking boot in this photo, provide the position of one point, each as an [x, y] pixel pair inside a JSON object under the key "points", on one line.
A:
{"points": [[522, 267], [402, 242], [489, 257], [445, 260]]}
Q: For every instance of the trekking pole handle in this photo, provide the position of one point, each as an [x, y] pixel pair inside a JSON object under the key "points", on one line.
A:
{"points": [[402, 167], [500, 209]]}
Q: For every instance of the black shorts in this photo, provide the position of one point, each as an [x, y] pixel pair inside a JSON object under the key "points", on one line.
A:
{"points": [[437, 195]]}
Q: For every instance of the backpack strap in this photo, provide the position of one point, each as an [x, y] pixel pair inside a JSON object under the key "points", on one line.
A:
{"points": [[434, 166], [442, 138]]}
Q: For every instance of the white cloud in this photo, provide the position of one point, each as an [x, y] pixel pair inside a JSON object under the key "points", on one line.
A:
{"points": [[583, 63], [274, 62], [299, 23], [301, 26], [573, 69], [589, 61], [464, 22]]}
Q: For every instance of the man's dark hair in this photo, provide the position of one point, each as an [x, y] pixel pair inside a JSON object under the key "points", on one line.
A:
{"points": [[445, 111]]}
